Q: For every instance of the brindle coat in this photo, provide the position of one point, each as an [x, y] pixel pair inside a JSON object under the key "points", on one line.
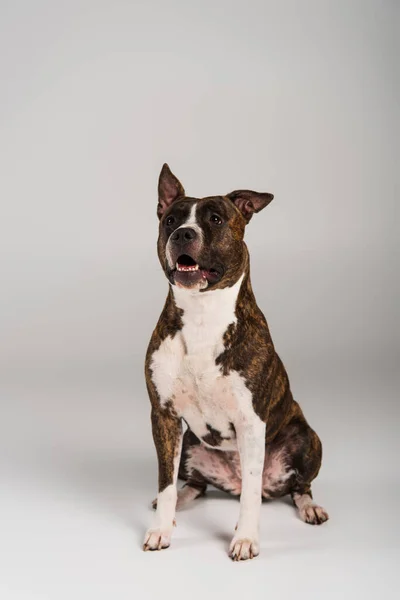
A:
{"points": [[250, 351], [247, 350]]}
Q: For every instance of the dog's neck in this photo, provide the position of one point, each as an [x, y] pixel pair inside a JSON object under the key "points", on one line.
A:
{"points": [[207, 306], [206, 316]]}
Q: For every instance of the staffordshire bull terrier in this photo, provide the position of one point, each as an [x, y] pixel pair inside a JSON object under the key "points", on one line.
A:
{"points": [[211, 363]]}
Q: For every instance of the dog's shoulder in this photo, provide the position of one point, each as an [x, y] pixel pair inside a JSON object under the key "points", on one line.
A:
{"points": [[168, 325]]}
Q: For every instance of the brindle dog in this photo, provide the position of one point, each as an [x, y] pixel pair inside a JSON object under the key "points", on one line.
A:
{"points": [[211, 363]]}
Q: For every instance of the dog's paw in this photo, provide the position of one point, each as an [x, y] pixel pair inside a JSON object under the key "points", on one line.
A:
{"points": [[157, 539], [313, 514], [243, 548]]}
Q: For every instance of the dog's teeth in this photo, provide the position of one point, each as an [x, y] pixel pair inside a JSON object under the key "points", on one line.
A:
{"points": [[186, 268]]}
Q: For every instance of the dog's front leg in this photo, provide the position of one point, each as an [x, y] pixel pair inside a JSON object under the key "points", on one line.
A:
{"points": [[167, 435], [251, 445]]}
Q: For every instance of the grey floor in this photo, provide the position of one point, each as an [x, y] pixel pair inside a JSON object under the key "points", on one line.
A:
{"points": [[79, 472]]}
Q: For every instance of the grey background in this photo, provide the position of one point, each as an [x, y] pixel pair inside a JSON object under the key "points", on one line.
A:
{"points": [[295, 98]]}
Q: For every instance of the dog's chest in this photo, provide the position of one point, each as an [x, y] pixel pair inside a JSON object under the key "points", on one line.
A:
{"points": [[186, 374]]}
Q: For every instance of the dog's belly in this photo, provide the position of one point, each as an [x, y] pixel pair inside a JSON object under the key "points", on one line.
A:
{"points": [[206, 400]]}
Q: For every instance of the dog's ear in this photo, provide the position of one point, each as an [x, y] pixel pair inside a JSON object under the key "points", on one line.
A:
{"points": [[169, 189], [249, 202]]}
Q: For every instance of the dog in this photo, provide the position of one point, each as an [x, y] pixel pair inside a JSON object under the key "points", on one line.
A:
{"points": [[211, 364]]}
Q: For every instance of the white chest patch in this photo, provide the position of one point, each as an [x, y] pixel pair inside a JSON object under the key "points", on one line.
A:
{"points": [[185, 373]]}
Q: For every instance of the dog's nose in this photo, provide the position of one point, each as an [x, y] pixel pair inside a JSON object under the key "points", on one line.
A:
{"points": [[183, 235]]}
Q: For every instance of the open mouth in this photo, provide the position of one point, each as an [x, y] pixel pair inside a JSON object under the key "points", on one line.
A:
{"points": [[188, 273], [185, 263]]}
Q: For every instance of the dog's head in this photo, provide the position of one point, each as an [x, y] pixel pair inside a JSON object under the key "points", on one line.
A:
{"points": [[200, 243]]}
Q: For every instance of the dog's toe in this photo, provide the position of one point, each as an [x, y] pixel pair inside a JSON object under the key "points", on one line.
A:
{"points": [[243, 549], [313, 514], [156, 539]]}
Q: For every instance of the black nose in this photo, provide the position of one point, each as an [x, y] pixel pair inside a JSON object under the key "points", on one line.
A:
{"points": [[183, 235]]}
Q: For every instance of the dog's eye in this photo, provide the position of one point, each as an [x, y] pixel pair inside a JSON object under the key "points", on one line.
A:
{"points": [[170, 221], [216, 219]]}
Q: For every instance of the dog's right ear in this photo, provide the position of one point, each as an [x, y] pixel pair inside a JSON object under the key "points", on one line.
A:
{"points": [[169, 190]]}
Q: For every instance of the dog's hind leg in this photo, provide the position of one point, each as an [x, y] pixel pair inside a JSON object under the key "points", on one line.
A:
{"points": [[309, 511], [292, 462], [308, 467], [195, 487]]}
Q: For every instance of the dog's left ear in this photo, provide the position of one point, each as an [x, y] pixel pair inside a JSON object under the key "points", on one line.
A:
{"points": [[249, 202], [169, 189]]}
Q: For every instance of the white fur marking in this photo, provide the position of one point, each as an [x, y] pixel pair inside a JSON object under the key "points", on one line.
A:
{"points": [[251, 444], [190, 222], [184, 368], [165, 366]]}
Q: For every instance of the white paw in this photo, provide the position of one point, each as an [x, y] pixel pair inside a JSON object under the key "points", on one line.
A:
{"points": [[313, 514], [157, 539], [243, 548]]}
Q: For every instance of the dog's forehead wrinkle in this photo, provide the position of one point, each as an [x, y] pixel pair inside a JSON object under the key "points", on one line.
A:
{"points": [[215, 202], [211, 198], [180, 207]]}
